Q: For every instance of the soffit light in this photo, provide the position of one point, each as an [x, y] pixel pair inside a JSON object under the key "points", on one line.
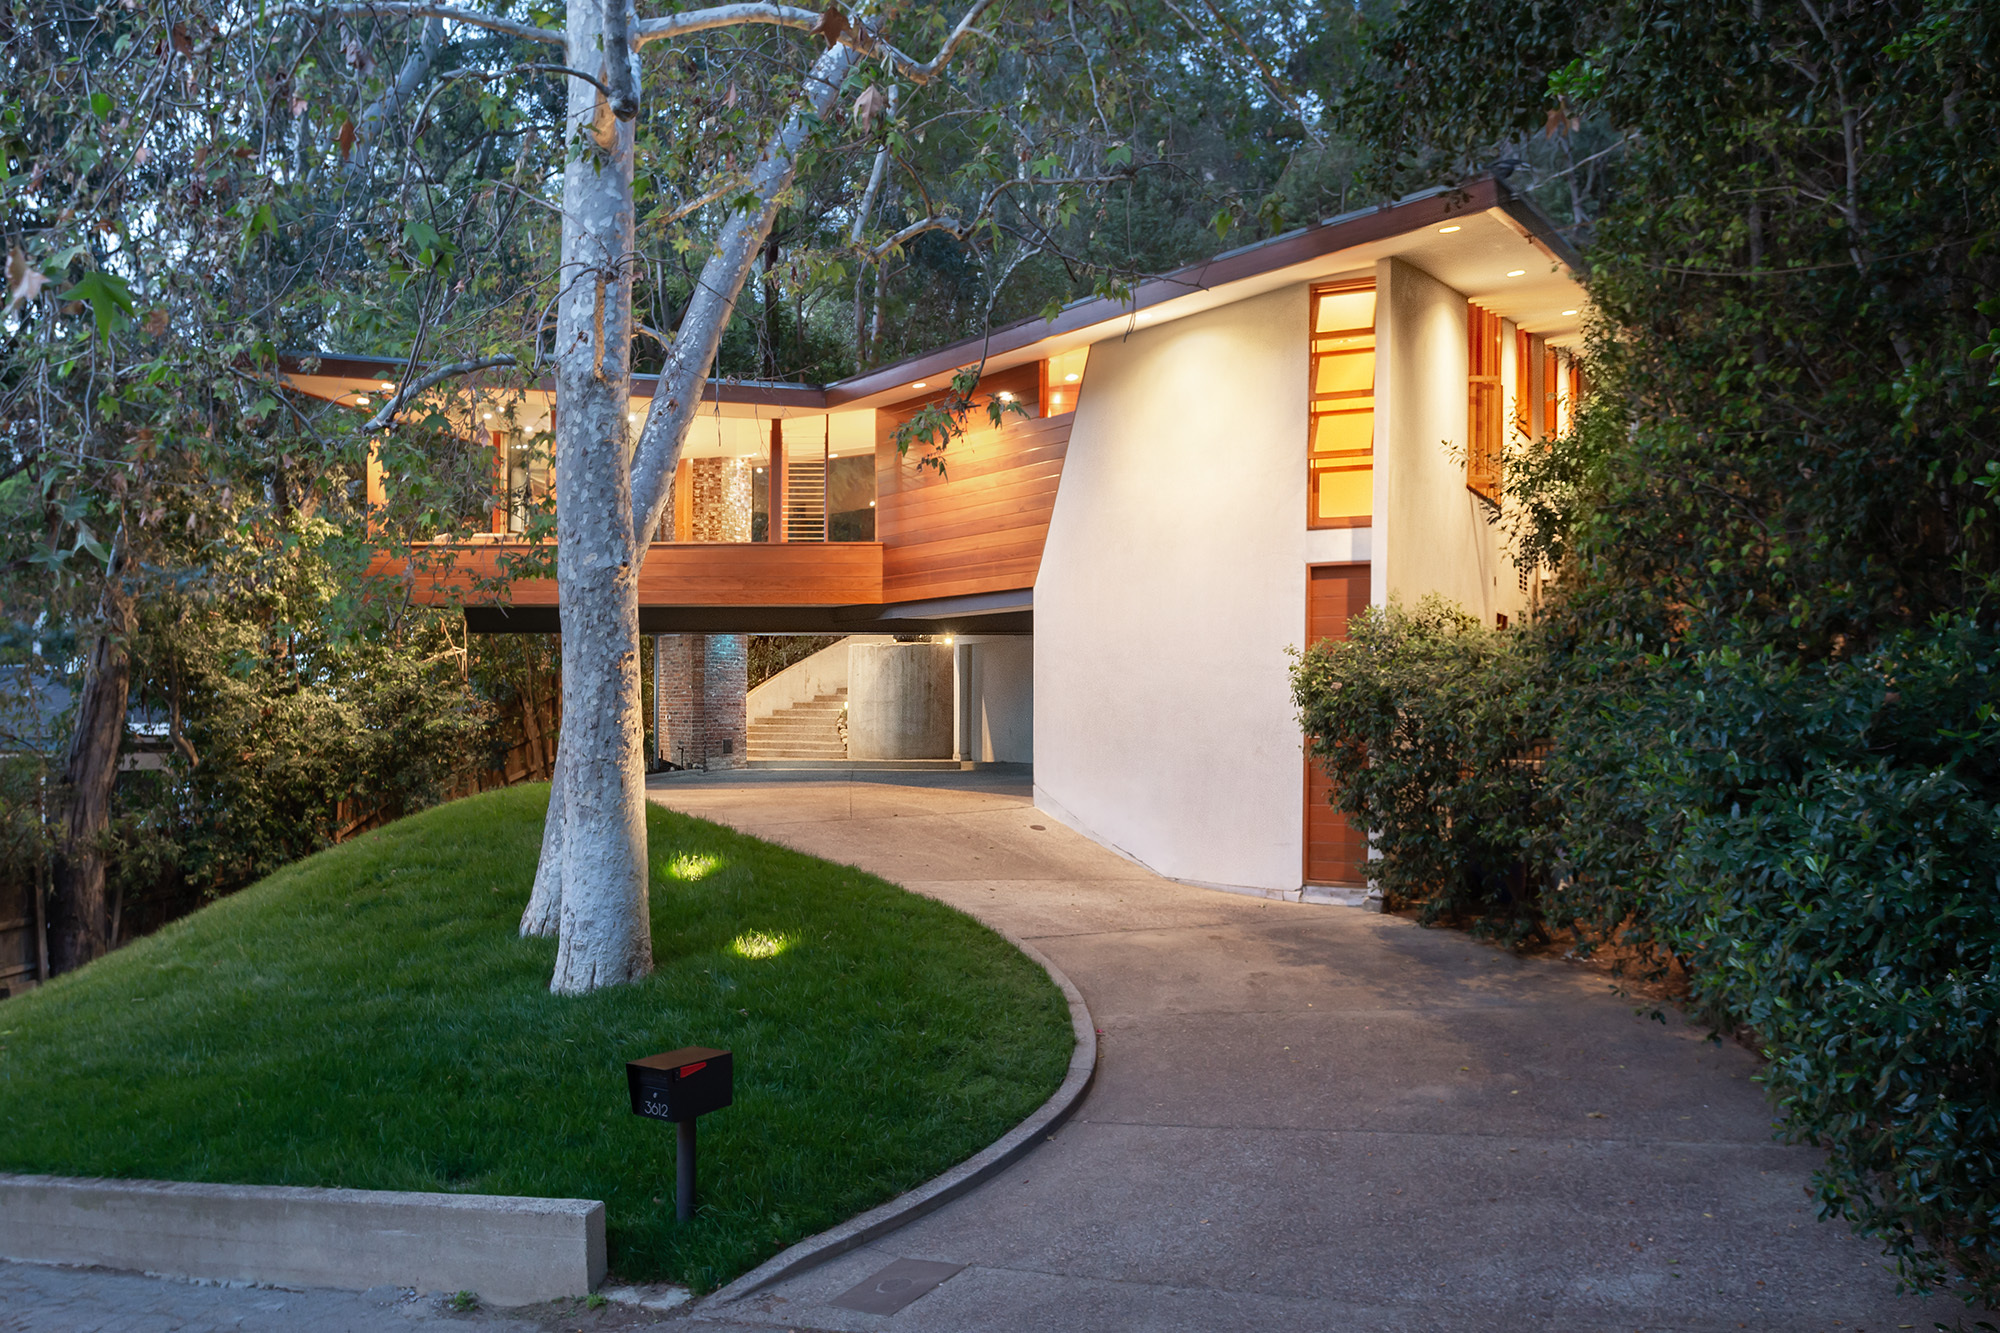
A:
{"points": [[1071, 378], [1569, 312], [387, 387], [361, 400], [1449, 230], [1515, 272], [920, 384], [1006, 397]]}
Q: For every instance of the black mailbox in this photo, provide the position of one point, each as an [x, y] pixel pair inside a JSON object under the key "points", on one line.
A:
{"points": [[680, 1085]]}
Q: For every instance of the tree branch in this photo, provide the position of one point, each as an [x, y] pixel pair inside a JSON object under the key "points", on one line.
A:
{"points": [[721, 16], [410, 9], [387, 416]]}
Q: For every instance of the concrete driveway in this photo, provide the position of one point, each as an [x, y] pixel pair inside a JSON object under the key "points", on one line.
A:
{"points": [[1310, 1117]]}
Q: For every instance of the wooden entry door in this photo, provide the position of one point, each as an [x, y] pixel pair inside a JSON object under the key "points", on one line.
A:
{"points": [[1335, 851]]}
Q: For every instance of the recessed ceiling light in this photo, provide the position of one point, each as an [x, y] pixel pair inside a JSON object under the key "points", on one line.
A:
{"points": [[918, 385], [361, 400], [1006, 397], [1515, 272], [833, 455], [871, 504], [1569, 312], [387, 387], [1071, 378], [489, 416], [1449, 230]]}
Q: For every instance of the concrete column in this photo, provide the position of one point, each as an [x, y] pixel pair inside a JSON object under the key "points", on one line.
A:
{"points": [[962, 745]]}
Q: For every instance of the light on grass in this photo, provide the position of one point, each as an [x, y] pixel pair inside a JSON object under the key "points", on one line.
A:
{"points": [[756, 944], [691, 866]]}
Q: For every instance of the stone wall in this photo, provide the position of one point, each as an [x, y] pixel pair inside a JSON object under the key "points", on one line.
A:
{"points": [[702, 680], [719, 510]]}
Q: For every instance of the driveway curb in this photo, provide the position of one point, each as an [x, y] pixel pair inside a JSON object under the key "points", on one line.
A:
{"points": [[975, 1170]]}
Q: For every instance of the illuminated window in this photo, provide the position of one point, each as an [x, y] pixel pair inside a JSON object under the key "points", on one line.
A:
{"points": [[1485, 414], [1062, 380], [1340, 459]]}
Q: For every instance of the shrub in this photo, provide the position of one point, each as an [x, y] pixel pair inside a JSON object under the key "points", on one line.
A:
{"points": [[1833, 884], [1426, 721]]}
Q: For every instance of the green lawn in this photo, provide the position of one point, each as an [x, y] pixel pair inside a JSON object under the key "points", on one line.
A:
{"points": [[368, 1018]]}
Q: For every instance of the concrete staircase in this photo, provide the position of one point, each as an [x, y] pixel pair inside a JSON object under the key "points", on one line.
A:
{"points": [[806, 730]]}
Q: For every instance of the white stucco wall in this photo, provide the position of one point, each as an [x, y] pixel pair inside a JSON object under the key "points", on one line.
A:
{"points": [[1431, 532], [999, 698], [1172, 584]]}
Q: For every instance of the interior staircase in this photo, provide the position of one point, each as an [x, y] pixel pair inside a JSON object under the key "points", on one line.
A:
{"points": [[806, 730]]}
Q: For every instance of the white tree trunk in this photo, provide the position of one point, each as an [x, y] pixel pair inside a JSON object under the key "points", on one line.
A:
{"points": [[544, 914], [606, 935]]}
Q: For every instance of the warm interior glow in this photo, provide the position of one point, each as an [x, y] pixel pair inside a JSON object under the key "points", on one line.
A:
{"points": [[1341, 444]]}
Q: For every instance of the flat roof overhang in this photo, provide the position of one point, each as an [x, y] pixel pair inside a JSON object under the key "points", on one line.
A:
{"points": [[1502, 252]]}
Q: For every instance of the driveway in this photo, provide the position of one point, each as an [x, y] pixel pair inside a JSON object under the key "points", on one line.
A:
{"points": [[1311, 1117]]}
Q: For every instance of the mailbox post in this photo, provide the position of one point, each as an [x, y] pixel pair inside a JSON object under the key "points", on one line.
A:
{"points": [[679, 1086]]}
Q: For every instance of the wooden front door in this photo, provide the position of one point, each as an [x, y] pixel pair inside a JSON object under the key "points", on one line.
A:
{"points": [[1336, 852]]}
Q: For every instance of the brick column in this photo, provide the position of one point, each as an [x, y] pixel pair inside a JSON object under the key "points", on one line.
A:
{"points": [[702, 681]]}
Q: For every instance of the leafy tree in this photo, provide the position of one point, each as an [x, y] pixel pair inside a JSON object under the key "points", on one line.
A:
{"points": [[1774, 748]]}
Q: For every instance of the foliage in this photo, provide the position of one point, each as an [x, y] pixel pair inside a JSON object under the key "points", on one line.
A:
{"points": [[1429, 722], [371, 1018], [1845, 905], [1765, 661]]}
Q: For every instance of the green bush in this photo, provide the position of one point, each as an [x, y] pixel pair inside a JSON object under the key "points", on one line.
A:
{"points": [[1426, 720], [1831, 879]]}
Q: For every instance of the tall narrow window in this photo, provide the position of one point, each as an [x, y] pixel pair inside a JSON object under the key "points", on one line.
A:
{"points": [[1340, 476], [1485, 408]]}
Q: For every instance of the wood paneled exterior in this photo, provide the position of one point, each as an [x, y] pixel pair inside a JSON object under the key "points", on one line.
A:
{"points": [[1335, 851], [683, 574], [981, 526]]}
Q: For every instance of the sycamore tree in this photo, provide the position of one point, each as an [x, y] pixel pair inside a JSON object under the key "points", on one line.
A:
{"points": [[751, 116]]}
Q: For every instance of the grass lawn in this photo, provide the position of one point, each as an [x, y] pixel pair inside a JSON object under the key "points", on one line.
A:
{"points": [[368, 1018]]}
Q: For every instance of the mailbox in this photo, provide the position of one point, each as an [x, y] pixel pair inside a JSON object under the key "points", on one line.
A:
{"points": [[680, 1085]]}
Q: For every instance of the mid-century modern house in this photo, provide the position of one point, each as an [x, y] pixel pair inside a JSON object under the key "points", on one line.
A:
{"points": [[1223, 467]]}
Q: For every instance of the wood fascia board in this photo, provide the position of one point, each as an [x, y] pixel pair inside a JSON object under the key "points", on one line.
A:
{"points": [[1300, 247]]}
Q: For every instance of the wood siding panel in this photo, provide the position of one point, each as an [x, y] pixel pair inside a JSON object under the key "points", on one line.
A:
{"points": [[680, 574], [981, 526], [1335, 851]]}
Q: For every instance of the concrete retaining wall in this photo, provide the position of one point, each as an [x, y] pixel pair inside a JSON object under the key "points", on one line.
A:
{"points": [[899, 701], [510, 1251], [825, 672]]}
